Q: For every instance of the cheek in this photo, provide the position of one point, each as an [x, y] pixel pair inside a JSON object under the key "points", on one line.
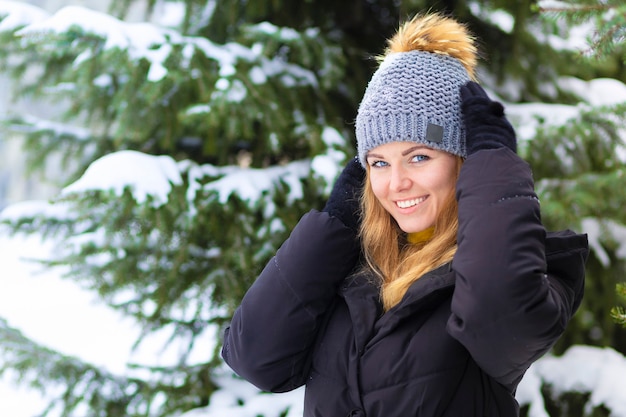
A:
{"points": [[443, 178], [451, 178], [442, 182], [379, 186]]}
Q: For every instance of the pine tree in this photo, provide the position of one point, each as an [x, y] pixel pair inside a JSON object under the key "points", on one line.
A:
{"points": [[260, 94], [579, 170], [618, 312], [607, 41], [581, 183]]}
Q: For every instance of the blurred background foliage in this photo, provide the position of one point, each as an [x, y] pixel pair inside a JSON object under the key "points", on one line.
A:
{"points": [[245, 87]]}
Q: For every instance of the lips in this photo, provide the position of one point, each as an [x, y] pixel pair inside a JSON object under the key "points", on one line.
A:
{"points": [[403, 204]]}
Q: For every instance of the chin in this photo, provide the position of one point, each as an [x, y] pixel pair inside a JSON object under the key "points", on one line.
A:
{"points": [[413, 229]]}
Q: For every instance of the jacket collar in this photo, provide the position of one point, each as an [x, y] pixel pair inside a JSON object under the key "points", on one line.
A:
{"points": [[361, 293]]}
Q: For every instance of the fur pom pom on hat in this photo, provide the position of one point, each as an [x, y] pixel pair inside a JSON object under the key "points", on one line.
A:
{"points": [[414, 95]]}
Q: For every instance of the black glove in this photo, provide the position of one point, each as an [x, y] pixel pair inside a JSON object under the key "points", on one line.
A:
{"points": [[344, 200], [486, 127]]}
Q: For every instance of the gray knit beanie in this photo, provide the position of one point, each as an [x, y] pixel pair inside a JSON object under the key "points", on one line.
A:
{"points": [[414, 96]]}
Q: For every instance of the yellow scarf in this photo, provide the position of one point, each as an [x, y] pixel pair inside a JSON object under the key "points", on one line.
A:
{"points": [[420, 237]]}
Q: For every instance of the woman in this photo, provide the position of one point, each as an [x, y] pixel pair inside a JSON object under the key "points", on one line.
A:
{"points": [[434, 296]]}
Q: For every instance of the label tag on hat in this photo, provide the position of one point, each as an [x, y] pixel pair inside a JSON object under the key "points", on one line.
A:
{"points": [[434, 133]]}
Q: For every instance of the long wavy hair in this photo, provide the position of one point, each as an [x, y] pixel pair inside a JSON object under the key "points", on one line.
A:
{"points": [[396, 262]]}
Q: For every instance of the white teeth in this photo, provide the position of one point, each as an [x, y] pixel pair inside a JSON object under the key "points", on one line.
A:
{"points": [[410, 203]]}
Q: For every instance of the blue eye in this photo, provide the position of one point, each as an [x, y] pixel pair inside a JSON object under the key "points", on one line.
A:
{"points": [[378, 164], [420, 158]]}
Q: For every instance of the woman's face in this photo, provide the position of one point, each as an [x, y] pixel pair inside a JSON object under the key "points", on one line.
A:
{"points": [[412, 182]]}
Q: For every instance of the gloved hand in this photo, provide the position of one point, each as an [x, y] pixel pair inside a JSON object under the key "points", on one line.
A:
{"points": [[344, 200], [486, 126]]}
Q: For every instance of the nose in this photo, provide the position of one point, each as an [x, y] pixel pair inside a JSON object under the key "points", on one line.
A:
{"points": [[400, 179]]}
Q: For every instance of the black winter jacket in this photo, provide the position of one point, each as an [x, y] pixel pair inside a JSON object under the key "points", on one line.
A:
{"points": [[456, 345]]}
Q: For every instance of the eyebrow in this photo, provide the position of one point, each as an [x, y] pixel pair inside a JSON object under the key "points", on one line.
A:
{"points": [[404, 153]]}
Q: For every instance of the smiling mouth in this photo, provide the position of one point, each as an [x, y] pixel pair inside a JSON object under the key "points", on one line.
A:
{"points": [[410, 203]]}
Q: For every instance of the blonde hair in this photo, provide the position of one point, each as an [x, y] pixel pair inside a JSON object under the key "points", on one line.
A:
{"points": [[397, 263]]}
